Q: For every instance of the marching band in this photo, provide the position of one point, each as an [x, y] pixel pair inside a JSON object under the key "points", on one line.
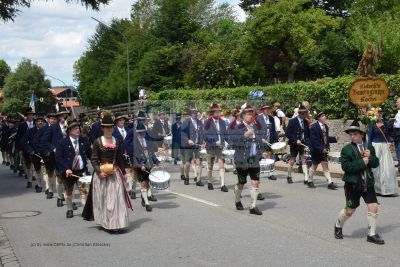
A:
{"points": [[55, 152]]}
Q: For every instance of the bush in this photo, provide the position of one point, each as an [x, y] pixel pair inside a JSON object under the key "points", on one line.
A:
{"points": [[330, 95]]}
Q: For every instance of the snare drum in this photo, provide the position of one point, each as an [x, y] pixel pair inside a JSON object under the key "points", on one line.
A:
{"points": [[267, 166], [279, 147], [228, 154], [159, 179], [168, 140]]}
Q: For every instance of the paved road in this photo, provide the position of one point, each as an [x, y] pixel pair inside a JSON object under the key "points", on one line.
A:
{"points": [[202, 228]]}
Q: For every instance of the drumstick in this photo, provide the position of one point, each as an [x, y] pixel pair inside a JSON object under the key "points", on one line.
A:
{"points": [[76, 176], [37, 156]]}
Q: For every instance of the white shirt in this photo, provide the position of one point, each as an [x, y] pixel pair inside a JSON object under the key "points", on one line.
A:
{"points": [[76, 148], [30, 124], [253, 144], [122, 132], [216, 122], [63, 128], [277, 124], [195, 126], [141, 92], [280, 113], [397, 121]]}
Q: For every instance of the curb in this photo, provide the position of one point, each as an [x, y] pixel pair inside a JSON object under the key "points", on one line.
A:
{"points": [[7, 255]]}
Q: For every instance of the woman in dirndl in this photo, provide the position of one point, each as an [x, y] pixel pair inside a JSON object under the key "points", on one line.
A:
{"points": [[110, 200], [385, 174]]}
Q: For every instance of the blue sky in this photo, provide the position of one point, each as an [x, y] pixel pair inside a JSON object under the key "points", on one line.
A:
{"points": [[54, 34]]}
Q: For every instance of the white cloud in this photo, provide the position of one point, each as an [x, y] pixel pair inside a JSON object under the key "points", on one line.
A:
{"points": [[54, 34]]}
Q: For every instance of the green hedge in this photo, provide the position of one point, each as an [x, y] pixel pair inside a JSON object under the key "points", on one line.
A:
{"points": [[325, 94]]}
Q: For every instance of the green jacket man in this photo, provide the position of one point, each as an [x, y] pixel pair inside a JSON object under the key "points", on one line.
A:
{"points": [[357, 161]]}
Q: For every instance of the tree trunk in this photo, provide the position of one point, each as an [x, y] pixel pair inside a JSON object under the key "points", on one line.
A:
{"points": [[292, 71]]}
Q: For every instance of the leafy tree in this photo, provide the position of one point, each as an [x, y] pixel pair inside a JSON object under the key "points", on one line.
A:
{"points": [[4, 71], [27, 79], [286, 31]]}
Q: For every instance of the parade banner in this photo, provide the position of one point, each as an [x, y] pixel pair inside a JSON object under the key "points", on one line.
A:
{"points": [[368, 92]]}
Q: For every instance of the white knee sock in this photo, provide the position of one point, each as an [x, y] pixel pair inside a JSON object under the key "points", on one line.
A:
{"points": [[69, 202], [182, 168], [372, 223], [39, 179], [129, 181], [327, 175], [134, 182], [209, 176], [60, 191], [222, 175], [253, 194], [83, 199], [144, 196], [187, 169], [311, 175], [149, 193], [342, 218], [3, 156], [289, 170], [198, 170], [238, 193], [29, 174], [305, 172], [51, 183], [194, 170], [46, 180]]}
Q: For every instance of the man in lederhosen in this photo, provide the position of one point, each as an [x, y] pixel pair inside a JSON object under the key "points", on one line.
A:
{"points": [[319, 148], [72, 155], [27, 142], [48, 174], [48, 143], [298, 133], [357, 161], [144, 159], [128, 144], [120, 133], [215, 137], [266, 120], [22, 129], [160, 129], [247, 142], [192, 139], [176, 143]]}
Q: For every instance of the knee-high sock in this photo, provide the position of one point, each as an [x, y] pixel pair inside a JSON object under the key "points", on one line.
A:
{"points": [[182, 168], [60, 190], [149, 193], [129, 181], [198, 170], [28, 173], [209, 176], [187, 168], [222, 175], [372, 223], [3, 155], [51, 180], [39, 179], [238, 193], [342, 218], [289, 170], [327, 175], [305, 172], [7, 157], [311, 175], [69, 202], [46, 179], [194, 169], [253, 194], [144, 196], [83, 199]]}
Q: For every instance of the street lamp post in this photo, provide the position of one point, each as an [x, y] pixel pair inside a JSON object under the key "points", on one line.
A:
{"points": [[127, 59]]}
